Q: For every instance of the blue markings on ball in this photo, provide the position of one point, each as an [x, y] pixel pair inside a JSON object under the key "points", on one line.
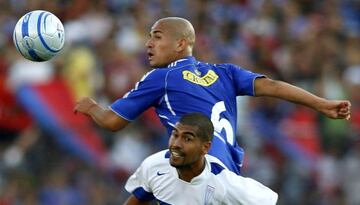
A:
{"points": [[25, 35], [41, 36]]}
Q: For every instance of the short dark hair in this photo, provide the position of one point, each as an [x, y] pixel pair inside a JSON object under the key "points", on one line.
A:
{"points": [[202, 122]]}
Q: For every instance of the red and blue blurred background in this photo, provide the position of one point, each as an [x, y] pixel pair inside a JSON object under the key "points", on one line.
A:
{"points": [[50, 156]]}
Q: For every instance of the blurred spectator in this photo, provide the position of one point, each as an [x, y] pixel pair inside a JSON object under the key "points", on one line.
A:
{"points": [[79, 72]]}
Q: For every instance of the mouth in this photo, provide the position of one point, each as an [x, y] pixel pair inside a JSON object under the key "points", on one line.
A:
{"points": [[150, 54], [176, 154], [177, 158]]}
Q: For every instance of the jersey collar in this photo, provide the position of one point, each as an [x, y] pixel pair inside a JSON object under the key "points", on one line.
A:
{"points": [[203, 176], [184, 61]]}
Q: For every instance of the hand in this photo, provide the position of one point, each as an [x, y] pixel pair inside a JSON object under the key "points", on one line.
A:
{"points": [[337, 109], [84, 105]]}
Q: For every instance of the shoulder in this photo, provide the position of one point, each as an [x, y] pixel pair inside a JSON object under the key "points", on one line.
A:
{"points": [[216, 166], [157, 159], [155, 74], [225, 68], [213, 159], [225, 65], [238, 72]]}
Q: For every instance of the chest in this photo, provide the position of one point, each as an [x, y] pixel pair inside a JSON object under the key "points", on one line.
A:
{"points": [[174, 191]]}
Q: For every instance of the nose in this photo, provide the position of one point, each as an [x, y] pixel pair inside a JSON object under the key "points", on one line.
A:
{"points": [[176, 142], [148, 43]]}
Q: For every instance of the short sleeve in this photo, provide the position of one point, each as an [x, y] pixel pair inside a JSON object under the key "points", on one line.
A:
{"points": [[148, 91], [244, 80], [137, 184], [242, 190]]}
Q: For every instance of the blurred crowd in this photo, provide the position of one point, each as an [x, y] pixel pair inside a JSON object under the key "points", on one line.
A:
{"points": [[305, 157]]}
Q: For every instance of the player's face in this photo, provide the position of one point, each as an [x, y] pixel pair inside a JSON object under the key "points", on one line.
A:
{"points": [[186, 148], [161, 46]]}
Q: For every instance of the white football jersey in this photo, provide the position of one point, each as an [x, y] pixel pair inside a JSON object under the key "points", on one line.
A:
{"points": [[156, 179]]}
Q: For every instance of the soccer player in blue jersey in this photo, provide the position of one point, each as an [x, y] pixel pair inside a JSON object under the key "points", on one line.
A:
{"points": [[185, 174], [180, 84]]}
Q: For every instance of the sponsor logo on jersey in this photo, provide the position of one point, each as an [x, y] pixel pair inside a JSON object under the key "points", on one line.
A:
{"points": [[206, 80], [161, 173]]}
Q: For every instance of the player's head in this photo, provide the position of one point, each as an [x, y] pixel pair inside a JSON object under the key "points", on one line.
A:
{"points": [[171, 38], [190, 140]]}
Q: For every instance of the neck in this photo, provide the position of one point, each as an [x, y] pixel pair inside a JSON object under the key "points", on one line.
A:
{"points": [[187, 173], [179, 57], [184, 54]]}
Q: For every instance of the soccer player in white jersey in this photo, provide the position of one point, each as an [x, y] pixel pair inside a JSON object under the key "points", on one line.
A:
{"points": [[180, 84], [184, 174]]}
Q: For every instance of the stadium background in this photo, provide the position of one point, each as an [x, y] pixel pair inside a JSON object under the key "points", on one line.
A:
{"points": [[305, 157]]}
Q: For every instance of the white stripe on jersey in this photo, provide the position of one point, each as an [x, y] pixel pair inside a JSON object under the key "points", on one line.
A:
{"points": [[163, 116], [171, 124], [173, 64], [167, 98], [167, 120], [218, 135], [137, 84], [168, 104]]}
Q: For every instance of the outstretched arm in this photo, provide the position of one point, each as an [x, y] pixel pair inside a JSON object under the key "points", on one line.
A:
{"points": [[335, 109], [105, 118]]}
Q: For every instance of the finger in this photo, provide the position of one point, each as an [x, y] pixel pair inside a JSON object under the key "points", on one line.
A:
{"points": [[344, 114], [344, 105], [348, 117], [348, 103], [344, 109]]}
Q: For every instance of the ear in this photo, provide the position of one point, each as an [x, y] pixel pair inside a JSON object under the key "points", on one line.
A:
{"points": [[206, 147], [181, 45]]}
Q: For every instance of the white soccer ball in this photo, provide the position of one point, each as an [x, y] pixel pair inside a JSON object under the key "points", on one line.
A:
{"points": [[39, 35]]}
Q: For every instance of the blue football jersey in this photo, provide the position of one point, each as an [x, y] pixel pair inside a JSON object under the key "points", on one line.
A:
{"points": [[188, 85]]}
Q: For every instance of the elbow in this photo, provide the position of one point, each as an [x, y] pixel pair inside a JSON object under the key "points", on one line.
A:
{"points": [[114, 128], [114, 123], [111, 126]]}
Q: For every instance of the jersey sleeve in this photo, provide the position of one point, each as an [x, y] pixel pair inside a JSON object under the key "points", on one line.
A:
{"points": [[138, 185], [242, 190], [148, 91], [244, 80]]}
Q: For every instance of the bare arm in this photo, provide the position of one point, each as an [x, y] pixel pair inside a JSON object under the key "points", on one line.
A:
{"points": [[336, 109], [132, 200], [103, 117]]}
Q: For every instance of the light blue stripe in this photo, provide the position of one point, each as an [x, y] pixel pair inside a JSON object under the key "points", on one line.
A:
{"points": [[25, 25], [25, 33], [17, 45], [39, 32]]}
